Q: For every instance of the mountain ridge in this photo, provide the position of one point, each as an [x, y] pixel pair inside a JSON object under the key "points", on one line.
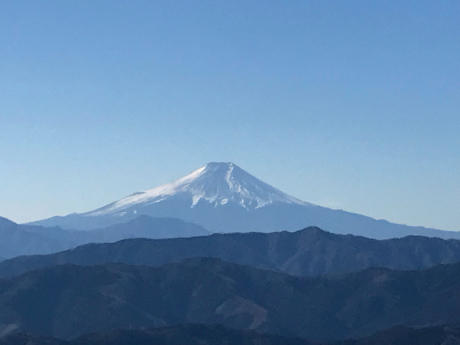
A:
{"points": [[306, 252], [16, 239], [67, 301], [223, 198], [217, 183], [199, 334]]}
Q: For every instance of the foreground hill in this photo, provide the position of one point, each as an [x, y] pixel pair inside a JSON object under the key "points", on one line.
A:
{"points": [[68, 301], [16, 240], [306, 253], [222, 197], [217, 335], [436, 335]]}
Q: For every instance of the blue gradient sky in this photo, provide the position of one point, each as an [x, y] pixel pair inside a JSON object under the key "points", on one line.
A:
{"points": [[347, 104]]}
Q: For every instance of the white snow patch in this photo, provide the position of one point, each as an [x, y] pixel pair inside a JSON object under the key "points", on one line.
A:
{"points": [[216, 183], [195, 200]]}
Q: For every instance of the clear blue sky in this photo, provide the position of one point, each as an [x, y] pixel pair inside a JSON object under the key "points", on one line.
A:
{"points": [[347, 104]]}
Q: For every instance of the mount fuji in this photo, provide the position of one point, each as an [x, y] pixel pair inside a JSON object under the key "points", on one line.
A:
{"points": [[222, 197]]}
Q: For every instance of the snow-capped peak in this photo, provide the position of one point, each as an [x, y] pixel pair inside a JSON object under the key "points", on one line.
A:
{"points": [[215, 183]]}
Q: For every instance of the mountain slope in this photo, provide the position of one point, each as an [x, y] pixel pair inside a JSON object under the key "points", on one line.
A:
{"points": [[222, 197], [307, 252], [68, 301], [435, 335], [16, 240], [216, 183], [146, 227], [187, 334], [190, 334]]}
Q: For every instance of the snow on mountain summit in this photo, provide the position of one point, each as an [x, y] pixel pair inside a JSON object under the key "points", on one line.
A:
{"points": [[221, 197], [215, 183]]}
